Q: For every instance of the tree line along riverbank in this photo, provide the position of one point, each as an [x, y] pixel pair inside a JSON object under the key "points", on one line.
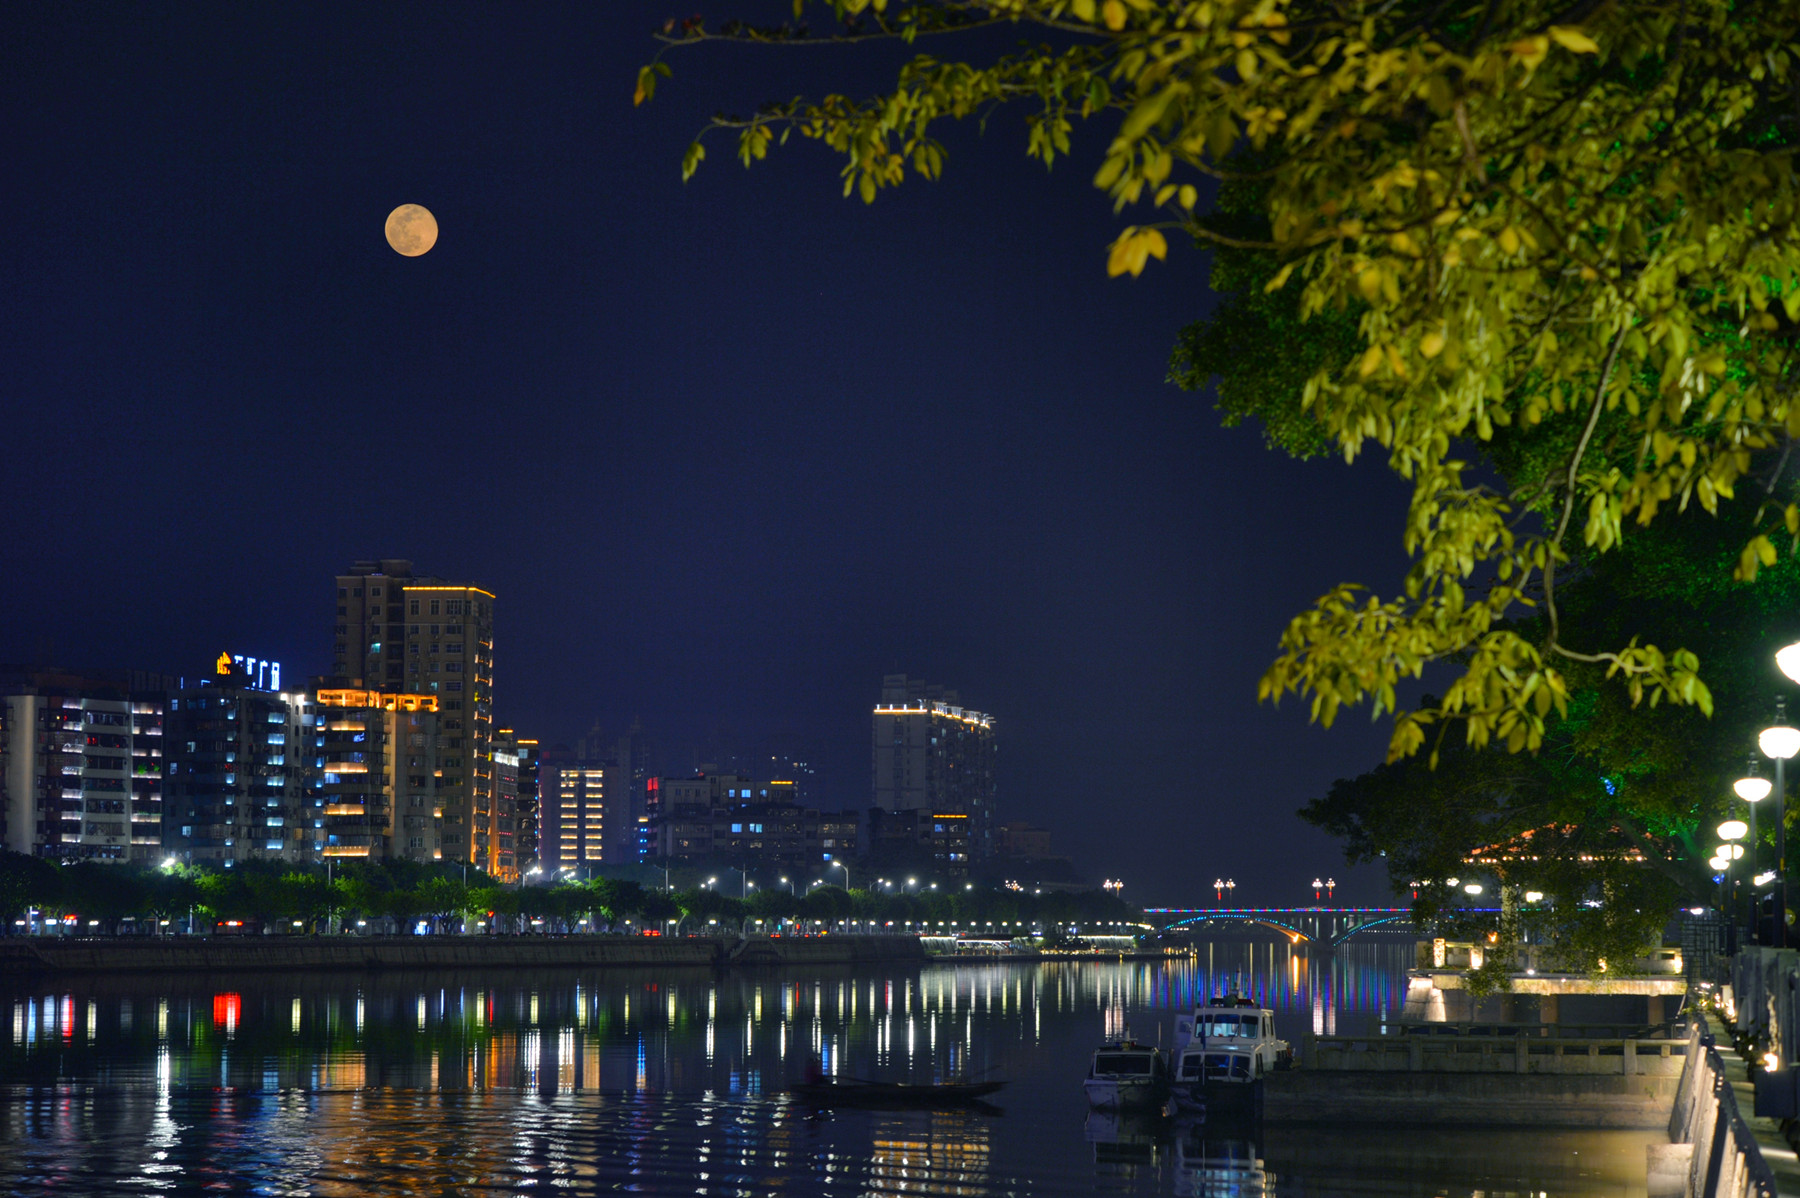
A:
{"points": [[35, 956], [95, 898]]}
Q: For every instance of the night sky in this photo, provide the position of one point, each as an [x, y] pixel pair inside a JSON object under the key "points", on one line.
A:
{"points": [[726, 451]]}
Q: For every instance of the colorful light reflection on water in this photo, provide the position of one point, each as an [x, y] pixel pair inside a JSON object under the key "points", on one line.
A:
{"points": [[660, 1083]]}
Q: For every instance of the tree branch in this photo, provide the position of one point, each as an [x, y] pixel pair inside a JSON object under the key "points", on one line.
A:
{"points": [[1562, 525]]}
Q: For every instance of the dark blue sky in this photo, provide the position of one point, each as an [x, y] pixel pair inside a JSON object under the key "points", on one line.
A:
{"points": [[727, 451]]}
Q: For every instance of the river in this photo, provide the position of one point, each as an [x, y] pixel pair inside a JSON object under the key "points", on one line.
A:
{"points": [[582, 1082]]}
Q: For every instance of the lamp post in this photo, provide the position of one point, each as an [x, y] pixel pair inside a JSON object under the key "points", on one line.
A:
{"points": [[1219, 891], [1732, 831], [1230, 888], [1331, 890], [1753, 790], [1780, 742], [1318, 885], [846, 869]]}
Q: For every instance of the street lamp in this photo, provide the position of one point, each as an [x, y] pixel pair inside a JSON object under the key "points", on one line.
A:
{"points": [[1780, 742], [1317, 887], [1230, 888], [846, 869], [1331, 890], [1752, 790], [1219, 892]]}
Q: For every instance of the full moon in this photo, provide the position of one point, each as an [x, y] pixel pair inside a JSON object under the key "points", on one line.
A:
{"points": [[411, 229]]}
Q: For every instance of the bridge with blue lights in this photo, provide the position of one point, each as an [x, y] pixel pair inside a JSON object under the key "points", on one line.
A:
{"points": [[1314, 925]]}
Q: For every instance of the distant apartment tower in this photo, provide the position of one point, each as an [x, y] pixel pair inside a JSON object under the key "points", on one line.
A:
{"points": [[934, 756], [527, 805], [400, 632], [380, 773], [241, 782], [81, 765]]}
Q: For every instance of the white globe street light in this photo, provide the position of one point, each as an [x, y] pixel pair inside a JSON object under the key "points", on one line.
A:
{"points": [[1752, 789], [1780, 742], [1787, 659], [1733, 829]]}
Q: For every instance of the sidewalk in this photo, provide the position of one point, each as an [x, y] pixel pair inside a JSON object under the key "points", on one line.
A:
{"points": [[1782, 1160]]}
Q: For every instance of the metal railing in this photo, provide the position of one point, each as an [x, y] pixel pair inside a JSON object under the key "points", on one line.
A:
{"points": [[1726, 1161]]}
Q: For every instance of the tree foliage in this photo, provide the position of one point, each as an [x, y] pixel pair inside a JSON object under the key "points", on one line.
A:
{"points": [[1568, 220]]}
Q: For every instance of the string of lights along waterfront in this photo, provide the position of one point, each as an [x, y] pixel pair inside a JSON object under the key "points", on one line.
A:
{"points": [[673, 1081]]}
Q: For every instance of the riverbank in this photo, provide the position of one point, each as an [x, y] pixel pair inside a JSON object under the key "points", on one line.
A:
{"points": [[1470, 1099], [43, 955]]}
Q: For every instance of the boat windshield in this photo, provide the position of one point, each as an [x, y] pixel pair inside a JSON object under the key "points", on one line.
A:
{"points": [[1119, 1062], [1212, 1026]]}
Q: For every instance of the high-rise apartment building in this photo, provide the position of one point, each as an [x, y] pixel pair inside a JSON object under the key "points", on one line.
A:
{"points": [[381, 769], [933, 756], [81, 765], [241, 780], [400, 632], [516, 791]]}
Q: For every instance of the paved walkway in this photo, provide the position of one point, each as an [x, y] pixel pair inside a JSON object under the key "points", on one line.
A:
{"points": [[1782, 1160]]}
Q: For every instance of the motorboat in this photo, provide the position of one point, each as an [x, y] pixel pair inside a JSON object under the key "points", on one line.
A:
{"points": [[1224, 1049], [1126, 1075]]}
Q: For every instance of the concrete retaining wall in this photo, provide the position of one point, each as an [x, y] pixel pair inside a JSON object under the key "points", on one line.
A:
{"points": [[1470, 1099], [205, 954]]}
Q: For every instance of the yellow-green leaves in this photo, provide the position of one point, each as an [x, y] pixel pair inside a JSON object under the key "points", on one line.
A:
{"points": [[646, 82], [1572, 39], [1522, 239], [1134, 248]]}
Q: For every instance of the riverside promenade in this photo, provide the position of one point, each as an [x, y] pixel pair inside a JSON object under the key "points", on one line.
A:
{"points": [[29, 956]]}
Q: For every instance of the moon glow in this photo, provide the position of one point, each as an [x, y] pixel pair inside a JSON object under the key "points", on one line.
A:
{"points": [[411, 229]]}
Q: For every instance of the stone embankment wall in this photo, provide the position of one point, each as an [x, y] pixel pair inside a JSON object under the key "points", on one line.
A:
{"points": [[36, 955], [1471, 1099]]}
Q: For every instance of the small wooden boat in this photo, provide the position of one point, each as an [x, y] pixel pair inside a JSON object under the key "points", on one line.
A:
{"points": [[849, 1091]]}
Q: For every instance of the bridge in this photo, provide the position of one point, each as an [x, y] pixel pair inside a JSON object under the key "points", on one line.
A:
{"points": [[1315, 925]]}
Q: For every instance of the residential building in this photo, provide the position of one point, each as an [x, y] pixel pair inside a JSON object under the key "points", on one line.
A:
{"points": [[381, 756], [515, 800], [933, 756], [241, 782], [727, 820], [81, 764], [530, 803], [594, 795], [404, 633]]}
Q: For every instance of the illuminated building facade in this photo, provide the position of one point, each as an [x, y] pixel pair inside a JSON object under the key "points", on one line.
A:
{"points": [[594, 796], [402, 632], [933, 756], [726, 820], [527, 802], [81, 765], [379, 753], [242, 782]]}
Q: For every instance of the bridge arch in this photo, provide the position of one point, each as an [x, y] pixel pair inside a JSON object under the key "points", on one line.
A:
{"points": [[1373, 923], [1260, 920]]}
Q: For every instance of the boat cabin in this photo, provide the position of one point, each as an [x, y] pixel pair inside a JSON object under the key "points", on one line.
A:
{"points": [[1228, 1040]]}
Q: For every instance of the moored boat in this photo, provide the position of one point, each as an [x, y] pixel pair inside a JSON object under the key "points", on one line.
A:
{"points": [[1126, 1075], [1224, 1050]]}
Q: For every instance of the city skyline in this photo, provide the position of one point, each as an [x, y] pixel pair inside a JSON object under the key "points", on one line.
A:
{"points": [[612, 400]]}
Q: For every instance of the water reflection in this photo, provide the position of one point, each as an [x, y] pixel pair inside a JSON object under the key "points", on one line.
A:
{"points": [[656, 1082]]}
